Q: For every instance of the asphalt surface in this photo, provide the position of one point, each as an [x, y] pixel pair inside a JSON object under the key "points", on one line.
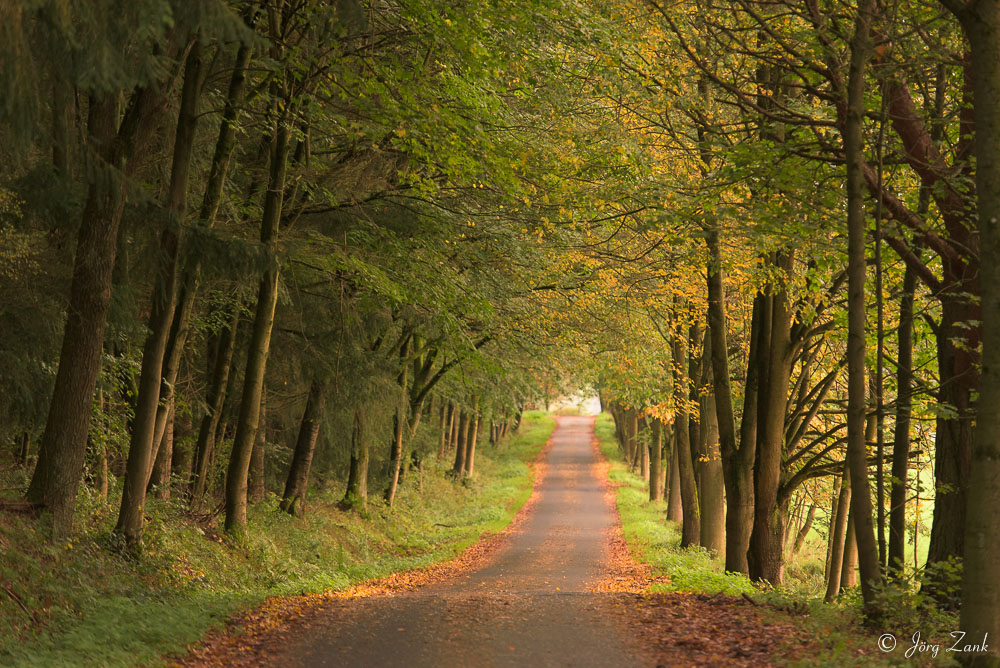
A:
{"points": [[531, 605]]}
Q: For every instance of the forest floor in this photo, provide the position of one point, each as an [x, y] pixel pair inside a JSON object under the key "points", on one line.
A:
{"points": [[559, 587]]}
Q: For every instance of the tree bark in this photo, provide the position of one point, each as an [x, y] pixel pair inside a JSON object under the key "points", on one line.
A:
{"points": [[470, 455], [356, 495], [297, 483], [691, 524], [737, 459], [260, 342], [675, 511], [839, 531], [656, 461], [462, 435], [980, 616], [398, 428], [901, 436], [764, 557], [215, 400], [711, 485], [257, 488], [857, 457], [62, 451]]}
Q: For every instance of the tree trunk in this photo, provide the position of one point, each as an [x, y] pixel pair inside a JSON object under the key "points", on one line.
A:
{"points": [[462, 435], [159, 479], [398, 428], [656, 461], [260, 342], [675, 512], [737, 460], [901, 437], [215, 400], [711, 487], [444, 426], [470, 454], [356, 495], [691, 524], [257, 487], [980, 617], [62, 452], [839, 532], [24, 449], [848, 575], [764, 557], [857, 457], [297, 483], [803, 532], [142, 447]]}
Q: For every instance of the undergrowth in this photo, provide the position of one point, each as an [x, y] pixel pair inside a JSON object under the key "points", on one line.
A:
{"points": [[81, 604], [838, 625]]}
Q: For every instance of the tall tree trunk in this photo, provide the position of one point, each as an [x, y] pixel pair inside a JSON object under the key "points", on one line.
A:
{"points": [[711, 486], [142, 447], [297, 483], [839, 531], [398, 428], [462, 435], [62, 451], [24, 449], [215, 400], [764, 557], [257, 488], [675, 512], [470, 454], [356, 495], [737, 460], [848, 574], [803, 532], [260, 342], [861, 509], [445, 423], [159, 479], [691, 524], [212, 198], [901, 436], [980, 618], [656, 461], [180, 464]]}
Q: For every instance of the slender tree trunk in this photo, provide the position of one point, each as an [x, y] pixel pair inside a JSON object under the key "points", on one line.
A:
{"points": [[257, 488], [656, 461], [861, 509], [24, 449], [691, 525], [215, 400], [260, 342], [737, 460], [675, 512], [356, 495], [470, 456], [711, 486], [445, 423], [297, 483], [462, 435], [398, 429], [803, 532], [142, 448], [159, 479], [980, 617], [839, 530], [848, 572], [901, 437]]}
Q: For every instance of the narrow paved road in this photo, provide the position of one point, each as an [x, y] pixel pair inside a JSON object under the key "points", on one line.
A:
{"points": [[531, 606]]}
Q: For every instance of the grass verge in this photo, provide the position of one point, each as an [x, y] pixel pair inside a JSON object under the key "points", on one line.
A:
{"points": [[656, 542], [80, 604]]}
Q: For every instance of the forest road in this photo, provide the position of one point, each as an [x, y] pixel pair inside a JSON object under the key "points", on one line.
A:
{"points": [[531, 605]]}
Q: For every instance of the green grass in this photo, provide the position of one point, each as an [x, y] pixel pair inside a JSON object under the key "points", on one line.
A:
{"points": [[88, 606], [655, 541]]}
